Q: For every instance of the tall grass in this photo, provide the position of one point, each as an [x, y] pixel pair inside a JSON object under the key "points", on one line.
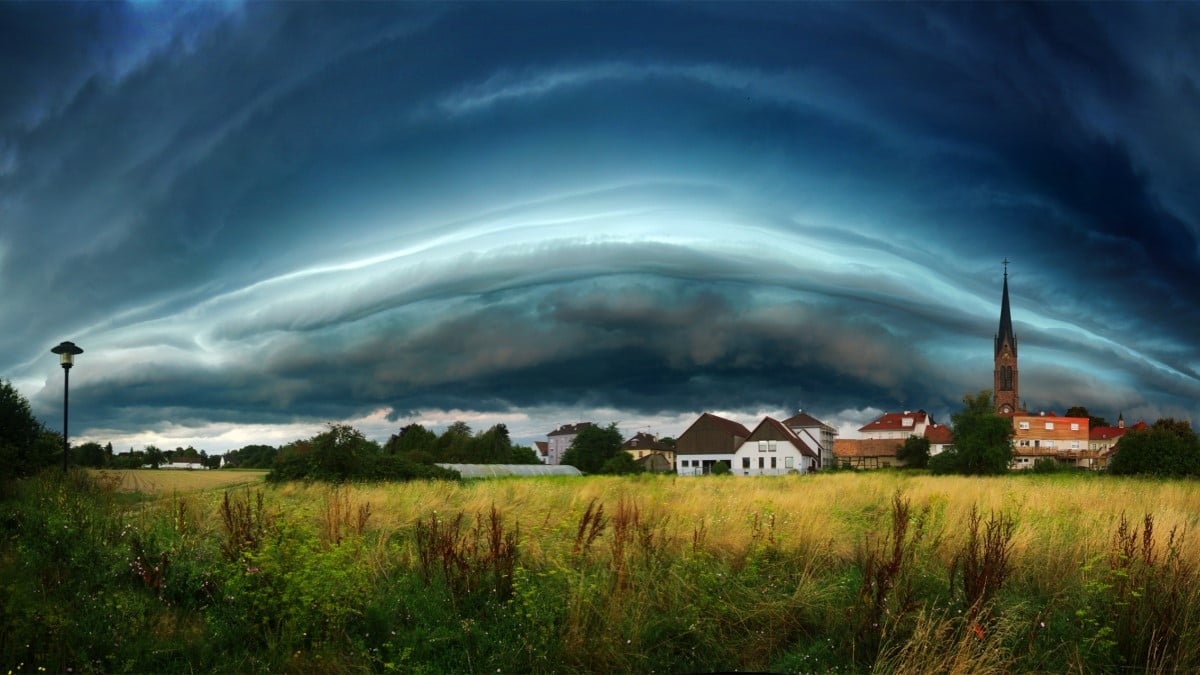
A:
{"points": [[889, 572]]}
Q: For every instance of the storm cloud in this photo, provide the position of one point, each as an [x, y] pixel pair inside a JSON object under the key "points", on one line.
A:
{"points": [[257, 218]]}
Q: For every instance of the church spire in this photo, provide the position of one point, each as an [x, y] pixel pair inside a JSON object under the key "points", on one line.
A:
{"points": [[1005, 380], [1005, 334]]}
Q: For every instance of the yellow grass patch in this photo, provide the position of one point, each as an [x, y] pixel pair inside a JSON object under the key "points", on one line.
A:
{"points": [[169, 481]]}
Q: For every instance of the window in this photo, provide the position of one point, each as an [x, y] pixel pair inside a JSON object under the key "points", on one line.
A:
{"points": [[1024, 425], [745, 462], [772, 462], [762, 446], [1074, 445], [687, 463], [760, 462], [1074, 426], [771, 446], [1049, 426], [787, 462], [1049, 444]]}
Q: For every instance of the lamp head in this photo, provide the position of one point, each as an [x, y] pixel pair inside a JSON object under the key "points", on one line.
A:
{"points": [[66, 353]]}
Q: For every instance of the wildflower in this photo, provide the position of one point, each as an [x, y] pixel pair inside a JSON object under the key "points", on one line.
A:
{"points": [[978, 631]]}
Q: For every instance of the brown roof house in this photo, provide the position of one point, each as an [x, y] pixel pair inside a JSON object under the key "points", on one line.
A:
{"points": [[709, 440], [867, 453], [652, 455]]}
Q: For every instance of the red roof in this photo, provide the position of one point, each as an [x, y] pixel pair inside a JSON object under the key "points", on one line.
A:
{"points": [[1105, 433], [895, 421], [939, 434]]}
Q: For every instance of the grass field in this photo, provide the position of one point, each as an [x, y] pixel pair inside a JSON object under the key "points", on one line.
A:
{"points": [[843, 572], [167, 481]]}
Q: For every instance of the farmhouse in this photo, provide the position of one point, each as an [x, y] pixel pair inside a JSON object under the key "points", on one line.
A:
{"points": [[708, 440], [773, 449], [654, 456]]}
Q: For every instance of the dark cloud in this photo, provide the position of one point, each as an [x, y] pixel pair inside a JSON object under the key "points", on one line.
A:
{"points": [[267, 214]]}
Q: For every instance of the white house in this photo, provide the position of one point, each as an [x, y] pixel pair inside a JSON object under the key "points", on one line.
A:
{"points": [[773, 449], [815, 434]]}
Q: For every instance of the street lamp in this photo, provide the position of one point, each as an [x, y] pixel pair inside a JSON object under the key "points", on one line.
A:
{"points": [[66, 353]]}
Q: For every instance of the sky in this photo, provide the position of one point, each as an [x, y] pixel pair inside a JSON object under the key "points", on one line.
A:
{"points": [[260, 218]]}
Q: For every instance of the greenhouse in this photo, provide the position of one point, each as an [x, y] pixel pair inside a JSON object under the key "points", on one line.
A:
{"points": [[505, 470]]}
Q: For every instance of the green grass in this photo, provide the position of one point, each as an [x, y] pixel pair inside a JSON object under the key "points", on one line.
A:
{"points": [[887, 572]]}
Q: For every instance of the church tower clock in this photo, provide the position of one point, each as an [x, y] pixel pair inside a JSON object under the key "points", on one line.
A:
{"points": [[1005, 377]]}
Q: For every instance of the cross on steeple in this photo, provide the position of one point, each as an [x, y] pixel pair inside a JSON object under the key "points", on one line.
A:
{"points": [[1005, 267]]}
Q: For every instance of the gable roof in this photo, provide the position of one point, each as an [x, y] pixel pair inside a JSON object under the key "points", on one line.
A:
{"points": [[715, 431], [643, 441], [865, 447], [570, 429], [895, 421], [939, 434], [772, 429], [1105, 433], [803, 420], [542, 447]]}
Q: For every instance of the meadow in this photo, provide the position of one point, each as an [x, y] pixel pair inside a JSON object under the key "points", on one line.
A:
{"points": [[840, 572]]}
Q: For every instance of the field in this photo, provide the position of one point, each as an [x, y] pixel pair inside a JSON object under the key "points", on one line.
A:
{"points": [[884, 572], [170, 481]]}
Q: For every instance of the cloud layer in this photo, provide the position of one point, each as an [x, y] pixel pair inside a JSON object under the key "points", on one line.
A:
{"points": [[257, 218]]}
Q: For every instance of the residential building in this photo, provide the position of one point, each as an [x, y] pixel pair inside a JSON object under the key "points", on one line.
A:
{"points": [[940, 438], [897, 426], [710, 439], [1047, 435], [773, 449], [560, 439], [1104, 440], [815, 434], [543, 451], [867, 453], [642, 445]]}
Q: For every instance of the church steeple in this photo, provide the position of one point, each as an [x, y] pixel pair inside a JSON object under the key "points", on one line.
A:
{"points": [[1005, 375], [1005, 334]]}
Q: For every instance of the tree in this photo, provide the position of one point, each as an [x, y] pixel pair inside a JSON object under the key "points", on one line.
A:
{"points": [[982, 440], [1093, 421], [412, 439], [252, 457], [914, 452], [592, 447], [1168, 448], [154, 456], [89, 454], [523, 454], [25, 444], [621, 464], [452, 445]]}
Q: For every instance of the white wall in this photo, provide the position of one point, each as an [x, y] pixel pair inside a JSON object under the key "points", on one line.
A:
{"points": [[693, 465], [783, 450]]}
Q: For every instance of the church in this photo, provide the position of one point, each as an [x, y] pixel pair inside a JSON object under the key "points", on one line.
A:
{"points": [[1006, 378], [1036, 436]]}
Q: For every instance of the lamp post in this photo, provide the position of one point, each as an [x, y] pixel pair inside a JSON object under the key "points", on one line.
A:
{"points": [[66, 354]]}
